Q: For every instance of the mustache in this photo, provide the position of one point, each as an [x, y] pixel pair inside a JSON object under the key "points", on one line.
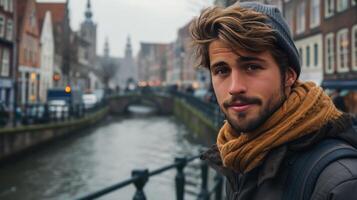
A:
{"points": [[241, 98]]}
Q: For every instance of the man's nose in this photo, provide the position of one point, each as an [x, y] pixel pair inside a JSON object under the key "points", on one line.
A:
{"points": [[238, 84]]}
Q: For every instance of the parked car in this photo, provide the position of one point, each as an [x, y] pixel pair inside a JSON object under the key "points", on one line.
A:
{"points": [[4, 114]]}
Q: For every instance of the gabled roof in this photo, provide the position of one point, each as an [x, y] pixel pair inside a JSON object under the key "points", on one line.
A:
{"points": [[58, 11]]}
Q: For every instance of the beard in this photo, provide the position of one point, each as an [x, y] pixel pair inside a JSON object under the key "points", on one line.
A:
{"points": [[271, 105]]}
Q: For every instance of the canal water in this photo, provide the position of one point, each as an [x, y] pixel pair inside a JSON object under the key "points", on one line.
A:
{"points": [[102, 156]]}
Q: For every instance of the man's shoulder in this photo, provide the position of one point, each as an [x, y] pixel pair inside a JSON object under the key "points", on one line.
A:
{"points": [[337, 181], [318, 170]]}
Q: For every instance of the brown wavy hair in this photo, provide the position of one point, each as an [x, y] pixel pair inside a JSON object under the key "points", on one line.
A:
{"points": [[239, 28]]}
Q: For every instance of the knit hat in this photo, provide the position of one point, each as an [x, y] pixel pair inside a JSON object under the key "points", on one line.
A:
{"points": [[281, 30]]}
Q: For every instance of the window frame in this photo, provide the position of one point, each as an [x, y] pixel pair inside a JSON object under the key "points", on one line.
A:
{"points": [[339, 4], [354, 47], [3, 59], [316, 22], [9, 35], [301, 17], [308, 61], [2, 28], [316, 54], [331, 54], [329, 13], [345, 51]]}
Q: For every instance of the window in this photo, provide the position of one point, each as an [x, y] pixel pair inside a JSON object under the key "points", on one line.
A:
{"points": [[316, 55], [353, 2], [342, 5], [2, 26], [301, 55], [289, 17], [329, 54], [11, 6], [307, 56], [354, 48], [9, 28], [6, 5], [329, 8], [301, 18], [32, 19], [342, 51], [314, 13], [5, 65]]}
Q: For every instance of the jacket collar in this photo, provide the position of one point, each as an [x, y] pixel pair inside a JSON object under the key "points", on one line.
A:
{"points": [[268, 169]]}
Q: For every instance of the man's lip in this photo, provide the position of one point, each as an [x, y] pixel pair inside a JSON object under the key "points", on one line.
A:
{"points": [[239, 107]]}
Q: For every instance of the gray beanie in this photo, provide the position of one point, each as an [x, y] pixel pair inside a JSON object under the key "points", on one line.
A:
{"points": [[281, 28]]}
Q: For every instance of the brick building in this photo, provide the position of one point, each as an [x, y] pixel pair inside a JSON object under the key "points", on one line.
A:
{"points": [[28, 52], [325, 33]]}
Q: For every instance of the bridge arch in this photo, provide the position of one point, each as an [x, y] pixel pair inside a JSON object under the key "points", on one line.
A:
{"points": [[120, 104]]}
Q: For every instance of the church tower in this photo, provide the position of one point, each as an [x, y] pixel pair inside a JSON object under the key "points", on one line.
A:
{"points": [[128, 49], [106, 49], [88, 32]]}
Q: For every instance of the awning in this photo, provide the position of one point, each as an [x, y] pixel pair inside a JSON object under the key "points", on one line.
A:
{"points": [[340, 84]]}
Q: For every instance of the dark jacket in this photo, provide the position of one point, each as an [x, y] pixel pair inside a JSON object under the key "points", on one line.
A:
{"points": [[338, 181]]}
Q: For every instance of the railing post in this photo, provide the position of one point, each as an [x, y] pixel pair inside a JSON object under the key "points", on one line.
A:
{"points": [[204, 176], [180, 178], [218, 193], [140, 183]]}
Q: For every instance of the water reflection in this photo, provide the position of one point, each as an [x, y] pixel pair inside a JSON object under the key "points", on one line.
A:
{"points": [[100, 157]]}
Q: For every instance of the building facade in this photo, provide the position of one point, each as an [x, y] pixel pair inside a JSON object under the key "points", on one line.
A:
{"points": [[325, 33], [6, 51], [29, 74], [153, 63]]}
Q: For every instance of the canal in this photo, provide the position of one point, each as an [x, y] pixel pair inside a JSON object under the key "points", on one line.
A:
{"points": [[104, 155]]}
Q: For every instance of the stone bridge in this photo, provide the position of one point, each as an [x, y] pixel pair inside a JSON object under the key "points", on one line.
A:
{"points": [[162, 103]]}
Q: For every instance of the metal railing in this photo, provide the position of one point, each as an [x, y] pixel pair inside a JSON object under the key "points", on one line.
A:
{"points": [[45, 113], [141, 176]]}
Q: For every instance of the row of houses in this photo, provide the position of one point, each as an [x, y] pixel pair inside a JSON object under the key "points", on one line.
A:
{"points": [[39, 50], [171, 63]]}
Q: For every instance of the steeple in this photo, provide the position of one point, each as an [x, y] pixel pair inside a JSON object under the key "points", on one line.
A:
{"points": [[106, 48], [88, 14], [128, 48]]}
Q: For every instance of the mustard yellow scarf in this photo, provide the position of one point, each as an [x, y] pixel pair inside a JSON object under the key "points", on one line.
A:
{"points": [[306, 110]]}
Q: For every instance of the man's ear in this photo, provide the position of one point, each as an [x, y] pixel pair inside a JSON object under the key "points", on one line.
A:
{"points": [[290, 77]]}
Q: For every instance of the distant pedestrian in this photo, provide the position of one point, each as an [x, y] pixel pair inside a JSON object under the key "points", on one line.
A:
{"points": [[283, 138]]}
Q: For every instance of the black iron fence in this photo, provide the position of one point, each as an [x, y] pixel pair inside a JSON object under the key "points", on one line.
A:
{"points": [[141, 176]]}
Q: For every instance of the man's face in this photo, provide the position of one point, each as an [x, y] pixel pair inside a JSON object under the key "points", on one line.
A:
{"points": [[248, 85]]}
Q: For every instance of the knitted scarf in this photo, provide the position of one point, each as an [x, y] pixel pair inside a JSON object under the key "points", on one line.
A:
{"points": [[306, 110]]}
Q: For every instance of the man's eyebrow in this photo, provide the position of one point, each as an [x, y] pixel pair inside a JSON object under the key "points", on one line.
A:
{"points": [[249, 58], [217, 64]]}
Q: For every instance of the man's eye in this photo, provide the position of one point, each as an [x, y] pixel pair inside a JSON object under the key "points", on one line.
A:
{"points": [[252, 67], [221, 70]]}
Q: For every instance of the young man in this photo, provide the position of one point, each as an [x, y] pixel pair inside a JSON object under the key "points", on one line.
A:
{"points": [[275, 124]]}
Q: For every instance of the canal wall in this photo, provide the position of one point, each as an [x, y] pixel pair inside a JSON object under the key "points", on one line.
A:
{"points": [[200, 126], [16, 140]]}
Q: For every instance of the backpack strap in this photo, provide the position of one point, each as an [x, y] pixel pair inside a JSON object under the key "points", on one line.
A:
{"points": [[308, 165]]}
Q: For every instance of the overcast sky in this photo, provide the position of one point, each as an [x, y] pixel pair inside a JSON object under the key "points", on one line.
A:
{"points": [[142, 20]]}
